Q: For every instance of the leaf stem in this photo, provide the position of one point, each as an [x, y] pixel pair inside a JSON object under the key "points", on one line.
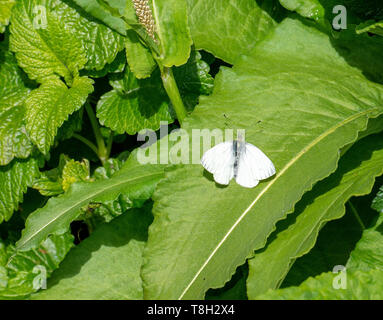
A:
{"points": [[171, 88], [102, 151], [86, 141], [353, 210]]}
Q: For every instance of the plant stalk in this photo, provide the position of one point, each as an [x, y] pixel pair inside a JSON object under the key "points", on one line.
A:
{"points": [[86, 141], [102, 151], [171, 88]]}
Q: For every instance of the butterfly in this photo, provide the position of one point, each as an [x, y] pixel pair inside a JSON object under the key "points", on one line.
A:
{"points": [[240, 160]]}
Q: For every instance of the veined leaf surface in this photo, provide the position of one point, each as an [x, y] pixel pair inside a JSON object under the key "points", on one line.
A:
{"points": [[134, 181], [173, 32], [106, 265], [287, 96], [14, 180], [43, 47], [354, 177], [233, 27], [50, 105], [361, 280]]}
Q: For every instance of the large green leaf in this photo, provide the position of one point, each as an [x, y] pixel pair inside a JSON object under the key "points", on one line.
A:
{"points": [[377, 204], [372, 27], [14, 141], [354, 177], [5, 13], [101, 12], [306, 8], [172, 30], [284, 95], [100, 42], [361, 285], [14, 180], [139, 57], [229, 28], [50, 105], [134, 104], [362, 276], [13, 87], [27, 271], [134, 181], [44, 48], [106, 265]]}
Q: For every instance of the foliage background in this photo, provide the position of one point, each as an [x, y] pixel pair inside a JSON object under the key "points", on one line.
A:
{"points": [[79, 79]]}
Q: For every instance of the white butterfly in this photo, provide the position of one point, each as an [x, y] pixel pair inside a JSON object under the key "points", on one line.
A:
{"points": [[240, 160]]}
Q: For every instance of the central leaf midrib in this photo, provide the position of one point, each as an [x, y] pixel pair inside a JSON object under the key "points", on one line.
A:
{"points": [[85, 201], [272, 182]]}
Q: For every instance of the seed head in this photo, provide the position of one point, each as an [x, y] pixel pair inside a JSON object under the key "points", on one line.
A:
{"points": [[145, 16]]}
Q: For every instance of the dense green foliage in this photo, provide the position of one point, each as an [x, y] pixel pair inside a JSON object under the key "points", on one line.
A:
{"points": [[81, 81]]}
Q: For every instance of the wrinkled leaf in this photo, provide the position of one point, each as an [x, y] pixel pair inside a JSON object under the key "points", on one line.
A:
{"points": [[26, 272], [14, 180], [50, 105], [44, 48]]}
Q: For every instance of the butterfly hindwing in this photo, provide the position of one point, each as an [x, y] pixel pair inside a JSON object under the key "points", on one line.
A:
{"points": [[253, 165], [219, 161]]}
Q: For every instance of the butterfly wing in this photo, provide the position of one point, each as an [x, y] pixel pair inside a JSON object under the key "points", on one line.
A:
{"points": [[219, 161], [253, 165]]}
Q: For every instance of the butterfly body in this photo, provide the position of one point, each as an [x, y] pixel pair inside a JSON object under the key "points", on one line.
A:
{"points": [[240, 160]]}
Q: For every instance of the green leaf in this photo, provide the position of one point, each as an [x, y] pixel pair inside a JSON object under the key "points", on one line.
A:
{"points": [[371, 27], [44, 48], [134, 104], [139, 57], [355, 176], [363, 274], [377, 204], [333, 247], [307, 8], [235, 289], [368, 253], [14, 141], [14, 180], [361, 285], [101, 44], [5, 13], [360, 50], [13, 87], [49, 183], [75, 171], [134, 181], [105, 266], [172, 30], [266, 93], [50, 105], [99, 11], [193, 80], [25, 272], [228, 28]]}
